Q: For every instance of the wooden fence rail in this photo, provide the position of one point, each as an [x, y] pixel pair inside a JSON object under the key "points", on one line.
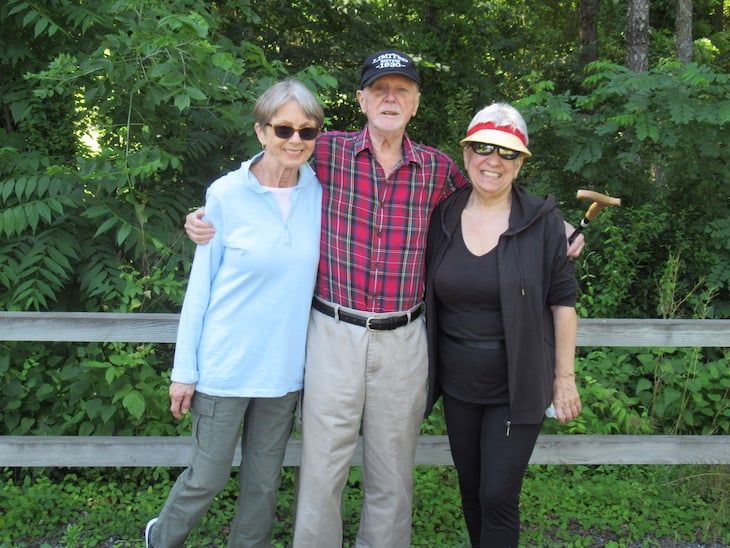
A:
{"points": [[72, 451]]}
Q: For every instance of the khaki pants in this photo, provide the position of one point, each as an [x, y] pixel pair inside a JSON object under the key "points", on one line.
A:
{"points": [[353, 378], [267, 424]]}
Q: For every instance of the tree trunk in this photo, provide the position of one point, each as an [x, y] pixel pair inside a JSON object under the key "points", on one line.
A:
{"points": [[718, 16], [683, 31], [589, 30], [637, 36]]}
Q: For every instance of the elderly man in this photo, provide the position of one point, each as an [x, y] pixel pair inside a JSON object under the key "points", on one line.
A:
{"points": [[366, 363]]}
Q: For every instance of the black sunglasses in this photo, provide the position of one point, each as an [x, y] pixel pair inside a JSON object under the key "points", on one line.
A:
{"points": [[485, 149], [285, 132]]}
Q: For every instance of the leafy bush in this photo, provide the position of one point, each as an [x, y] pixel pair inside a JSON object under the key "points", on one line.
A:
{"points": [[589, 506], [686, 390], [655, 139], [108, 389], [665, 391]]}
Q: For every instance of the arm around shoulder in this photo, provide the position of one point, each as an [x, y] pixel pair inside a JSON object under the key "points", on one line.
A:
{"points": [[198, 230]]}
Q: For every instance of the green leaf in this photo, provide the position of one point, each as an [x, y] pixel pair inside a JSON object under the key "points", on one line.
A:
{"points": [[95, 211], [55, 204], [31, 185], [44, 211], [20, 187], [195, 93], [7, 188], [110, 375], [643, 385], [93, 407], [20, 6], [40, 26], [44, 390], [108, 412], [32, 215], [26, 423], [29, 18], [59, 258], [43, 184], [123, 233], [647, 128], [19, 219], [182, 102], [671, 395], [134, 403], [173, 77], [222, 60], [106, 225]]}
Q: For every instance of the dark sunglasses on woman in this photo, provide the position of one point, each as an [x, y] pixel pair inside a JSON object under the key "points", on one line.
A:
{"points": [[485, 149], [285, 132]]}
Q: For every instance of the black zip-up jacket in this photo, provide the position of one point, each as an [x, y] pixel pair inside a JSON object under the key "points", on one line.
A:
{"points": [[534, 273]]}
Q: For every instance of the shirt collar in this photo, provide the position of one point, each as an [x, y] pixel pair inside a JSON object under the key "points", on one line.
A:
{"points": [[410, 154]]}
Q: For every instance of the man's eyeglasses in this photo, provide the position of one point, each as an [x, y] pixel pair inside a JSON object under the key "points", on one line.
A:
{"points": [[485, 149], [285, 132]]}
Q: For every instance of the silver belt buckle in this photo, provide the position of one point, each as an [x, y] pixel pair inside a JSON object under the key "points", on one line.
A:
{"points": [[367, 323]]}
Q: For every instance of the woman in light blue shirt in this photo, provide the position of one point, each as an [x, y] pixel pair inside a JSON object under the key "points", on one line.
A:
{"points": [[239, 358]]}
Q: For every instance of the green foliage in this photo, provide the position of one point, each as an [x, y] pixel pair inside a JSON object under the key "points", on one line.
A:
{"points": [[115, 117], [620, 506], [662, 390], [63, 389], [435, 423], [113, 123], [607, 408], [717, 233], [616, 273], [655, 390], [617, 506], [437, 515], [656, 140], [686, 390], [107, 139]]}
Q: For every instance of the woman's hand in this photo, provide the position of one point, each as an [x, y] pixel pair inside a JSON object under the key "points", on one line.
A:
{"points": [[181, 397], [566, 399], [575, 248]]}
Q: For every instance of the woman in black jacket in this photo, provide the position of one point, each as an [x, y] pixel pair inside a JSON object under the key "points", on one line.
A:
{"points": [[500, 304]]}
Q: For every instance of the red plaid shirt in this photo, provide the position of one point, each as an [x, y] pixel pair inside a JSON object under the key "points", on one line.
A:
{"points": [[374, 227]]}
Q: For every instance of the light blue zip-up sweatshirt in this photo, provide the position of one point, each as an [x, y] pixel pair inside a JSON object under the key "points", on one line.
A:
{"points": [[243, 324]]}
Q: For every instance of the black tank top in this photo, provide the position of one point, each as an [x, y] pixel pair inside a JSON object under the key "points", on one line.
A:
{"points": [[469, 311]]}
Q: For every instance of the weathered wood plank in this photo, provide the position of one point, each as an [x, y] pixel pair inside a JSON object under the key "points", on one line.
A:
{"points": [[651, 332], [38, 451], [141, 327], [101, 451], [88, 326], [621, 449]]}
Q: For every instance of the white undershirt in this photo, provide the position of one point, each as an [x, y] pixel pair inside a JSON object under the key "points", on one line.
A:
{"points": [[283, 198]]}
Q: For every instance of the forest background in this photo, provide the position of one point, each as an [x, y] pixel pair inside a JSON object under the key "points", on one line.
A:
{"points": [[115, 115]]}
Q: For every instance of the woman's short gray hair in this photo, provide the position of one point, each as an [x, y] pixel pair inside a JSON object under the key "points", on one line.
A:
{"points": [[280, 94], [502, 114]]}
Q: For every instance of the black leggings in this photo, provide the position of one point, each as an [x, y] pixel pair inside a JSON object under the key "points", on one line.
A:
{"points": [[491, 457]]}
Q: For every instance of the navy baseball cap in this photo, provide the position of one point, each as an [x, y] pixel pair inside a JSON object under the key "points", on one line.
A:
{"points": [[388, 62]]}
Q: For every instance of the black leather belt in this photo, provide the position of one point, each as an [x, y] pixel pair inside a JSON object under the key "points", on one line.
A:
{"points": [[373, 323], [497, 344]]}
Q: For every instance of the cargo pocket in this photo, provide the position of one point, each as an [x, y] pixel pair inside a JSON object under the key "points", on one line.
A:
{"points": [[203, 420]]}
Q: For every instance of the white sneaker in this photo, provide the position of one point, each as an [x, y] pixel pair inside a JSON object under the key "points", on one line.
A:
{"points": [[147, 531]]}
